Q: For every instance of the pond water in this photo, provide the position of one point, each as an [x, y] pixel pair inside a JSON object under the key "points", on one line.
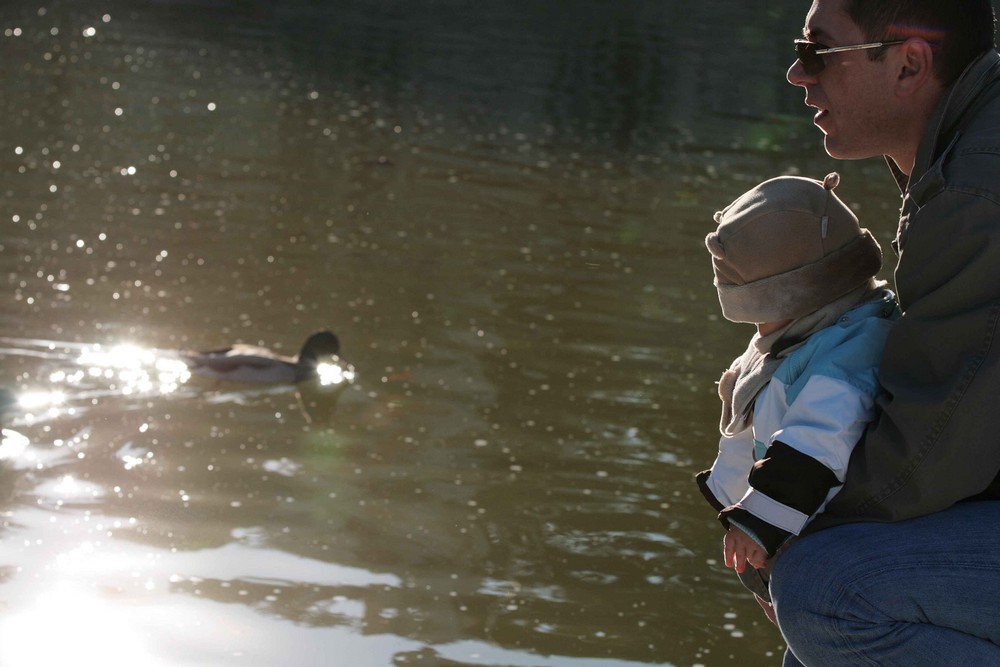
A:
{"points": [[499, 208]]}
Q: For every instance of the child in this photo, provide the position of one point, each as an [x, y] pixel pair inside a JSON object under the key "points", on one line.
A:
{"points": [[790, 257]]}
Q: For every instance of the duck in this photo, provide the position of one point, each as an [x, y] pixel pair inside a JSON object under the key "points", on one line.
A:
{"points": [[318, 360]]}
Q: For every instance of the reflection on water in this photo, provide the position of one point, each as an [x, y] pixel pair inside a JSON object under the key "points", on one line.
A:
{"points": [[129, 369], [329, 375], [90, 629], [83, 375], [500, 211]]}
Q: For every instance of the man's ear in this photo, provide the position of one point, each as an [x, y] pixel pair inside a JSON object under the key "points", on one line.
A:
{"points": [[914, 66]]}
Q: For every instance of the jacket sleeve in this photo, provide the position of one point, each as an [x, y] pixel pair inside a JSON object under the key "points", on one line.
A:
{"points": [[786, 488], [726, 482], [808, 454], [935, 440]]}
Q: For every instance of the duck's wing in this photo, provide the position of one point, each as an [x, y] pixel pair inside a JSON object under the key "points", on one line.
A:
{"points": [[242, 363]]}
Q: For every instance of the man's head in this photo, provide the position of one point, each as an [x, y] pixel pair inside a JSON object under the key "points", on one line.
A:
{"points": [[878, 101], [957, 30]]}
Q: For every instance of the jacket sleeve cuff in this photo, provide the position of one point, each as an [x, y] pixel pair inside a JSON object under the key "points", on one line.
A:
{"points": [[702, 480], [767, 536]]}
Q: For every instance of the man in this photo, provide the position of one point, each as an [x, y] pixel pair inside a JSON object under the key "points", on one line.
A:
{"points": [[903, 566]]}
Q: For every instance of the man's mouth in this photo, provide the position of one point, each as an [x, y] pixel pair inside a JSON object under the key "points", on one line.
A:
{"points": [[820, 112]]}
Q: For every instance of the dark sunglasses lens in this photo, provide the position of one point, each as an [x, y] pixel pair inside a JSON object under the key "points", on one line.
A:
{"points": [[812, 62]]}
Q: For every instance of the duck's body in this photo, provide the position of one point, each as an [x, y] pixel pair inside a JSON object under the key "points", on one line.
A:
{"points": [[249, 363]]}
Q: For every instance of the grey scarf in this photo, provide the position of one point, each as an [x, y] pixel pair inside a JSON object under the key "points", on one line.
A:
{"points": [[751, 371]]}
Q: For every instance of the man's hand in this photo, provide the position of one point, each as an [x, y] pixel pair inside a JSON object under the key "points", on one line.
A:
{"points": [[740, 549]]}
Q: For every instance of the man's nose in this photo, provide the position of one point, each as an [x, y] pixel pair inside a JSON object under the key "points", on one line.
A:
{"points": [[797, 76]]}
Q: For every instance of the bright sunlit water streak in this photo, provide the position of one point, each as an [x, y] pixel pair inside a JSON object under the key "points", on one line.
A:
{"points": [[13, 445], [70, 489], [34, 400], [136, 369], [71, 624]]}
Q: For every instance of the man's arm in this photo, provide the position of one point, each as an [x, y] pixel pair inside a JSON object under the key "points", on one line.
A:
{"points": [[935, 442]]}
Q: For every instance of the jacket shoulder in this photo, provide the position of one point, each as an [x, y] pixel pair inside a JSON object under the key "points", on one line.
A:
{"points": [[849, 351], [971, 164]]}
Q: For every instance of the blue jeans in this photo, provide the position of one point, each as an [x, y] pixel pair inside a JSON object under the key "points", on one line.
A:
{"points": [[925, 591]]}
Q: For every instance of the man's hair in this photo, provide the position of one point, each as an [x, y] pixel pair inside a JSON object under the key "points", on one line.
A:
{"points": [[957, 30]]}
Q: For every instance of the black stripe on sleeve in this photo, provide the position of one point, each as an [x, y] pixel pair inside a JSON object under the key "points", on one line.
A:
{"points": [[792, 478]]}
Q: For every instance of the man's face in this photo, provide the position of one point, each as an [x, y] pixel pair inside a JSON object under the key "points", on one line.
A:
{"points": [[852, 93]]}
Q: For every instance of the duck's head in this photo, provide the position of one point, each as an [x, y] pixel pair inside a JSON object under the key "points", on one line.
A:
{"points": [[322, 350], [320, 344]]}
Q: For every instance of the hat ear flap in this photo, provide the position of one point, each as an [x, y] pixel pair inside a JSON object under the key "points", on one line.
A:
{"points": [[714, 246]]}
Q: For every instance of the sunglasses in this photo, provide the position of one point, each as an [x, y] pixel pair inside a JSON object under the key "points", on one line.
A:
{"points": [[810, 54]]}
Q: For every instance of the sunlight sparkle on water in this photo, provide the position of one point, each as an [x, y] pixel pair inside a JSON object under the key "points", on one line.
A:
{"points": [[331, 374], [138, 369], [13, 445], [33, 400], [69, 489]]}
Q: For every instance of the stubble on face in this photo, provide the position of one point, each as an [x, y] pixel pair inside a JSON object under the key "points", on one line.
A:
{"points": [[851, 93]]}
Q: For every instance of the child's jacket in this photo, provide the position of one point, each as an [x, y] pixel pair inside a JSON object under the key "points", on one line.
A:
{"points": [[772, 478]]}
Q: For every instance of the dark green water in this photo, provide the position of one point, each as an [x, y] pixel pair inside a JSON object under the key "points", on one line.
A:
{"points": [[499, 207]]}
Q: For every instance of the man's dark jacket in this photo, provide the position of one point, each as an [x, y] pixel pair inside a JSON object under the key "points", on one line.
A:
{"points": [[936, 440]]}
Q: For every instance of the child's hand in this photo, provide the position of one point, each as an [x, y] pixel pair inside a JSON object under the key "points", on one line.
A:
{"points": [[741, 549]]}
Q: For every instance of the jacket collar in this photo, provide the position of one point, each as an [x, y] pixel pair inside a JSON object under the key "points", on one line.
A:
{"points": [[958, 101]]}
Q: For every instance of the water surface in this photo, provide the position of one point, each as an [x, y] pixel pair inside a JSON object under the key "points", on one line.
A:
{"points": [[499, 207]]}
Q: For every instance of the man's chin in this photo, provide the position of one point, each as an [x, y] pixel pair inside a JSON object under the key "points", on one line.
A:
{"points": [[839, 151]]}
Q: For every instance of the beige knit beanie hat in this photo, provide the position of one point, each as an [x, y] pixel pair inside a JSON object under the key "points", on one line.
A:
{"points": [[788, 247]]}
